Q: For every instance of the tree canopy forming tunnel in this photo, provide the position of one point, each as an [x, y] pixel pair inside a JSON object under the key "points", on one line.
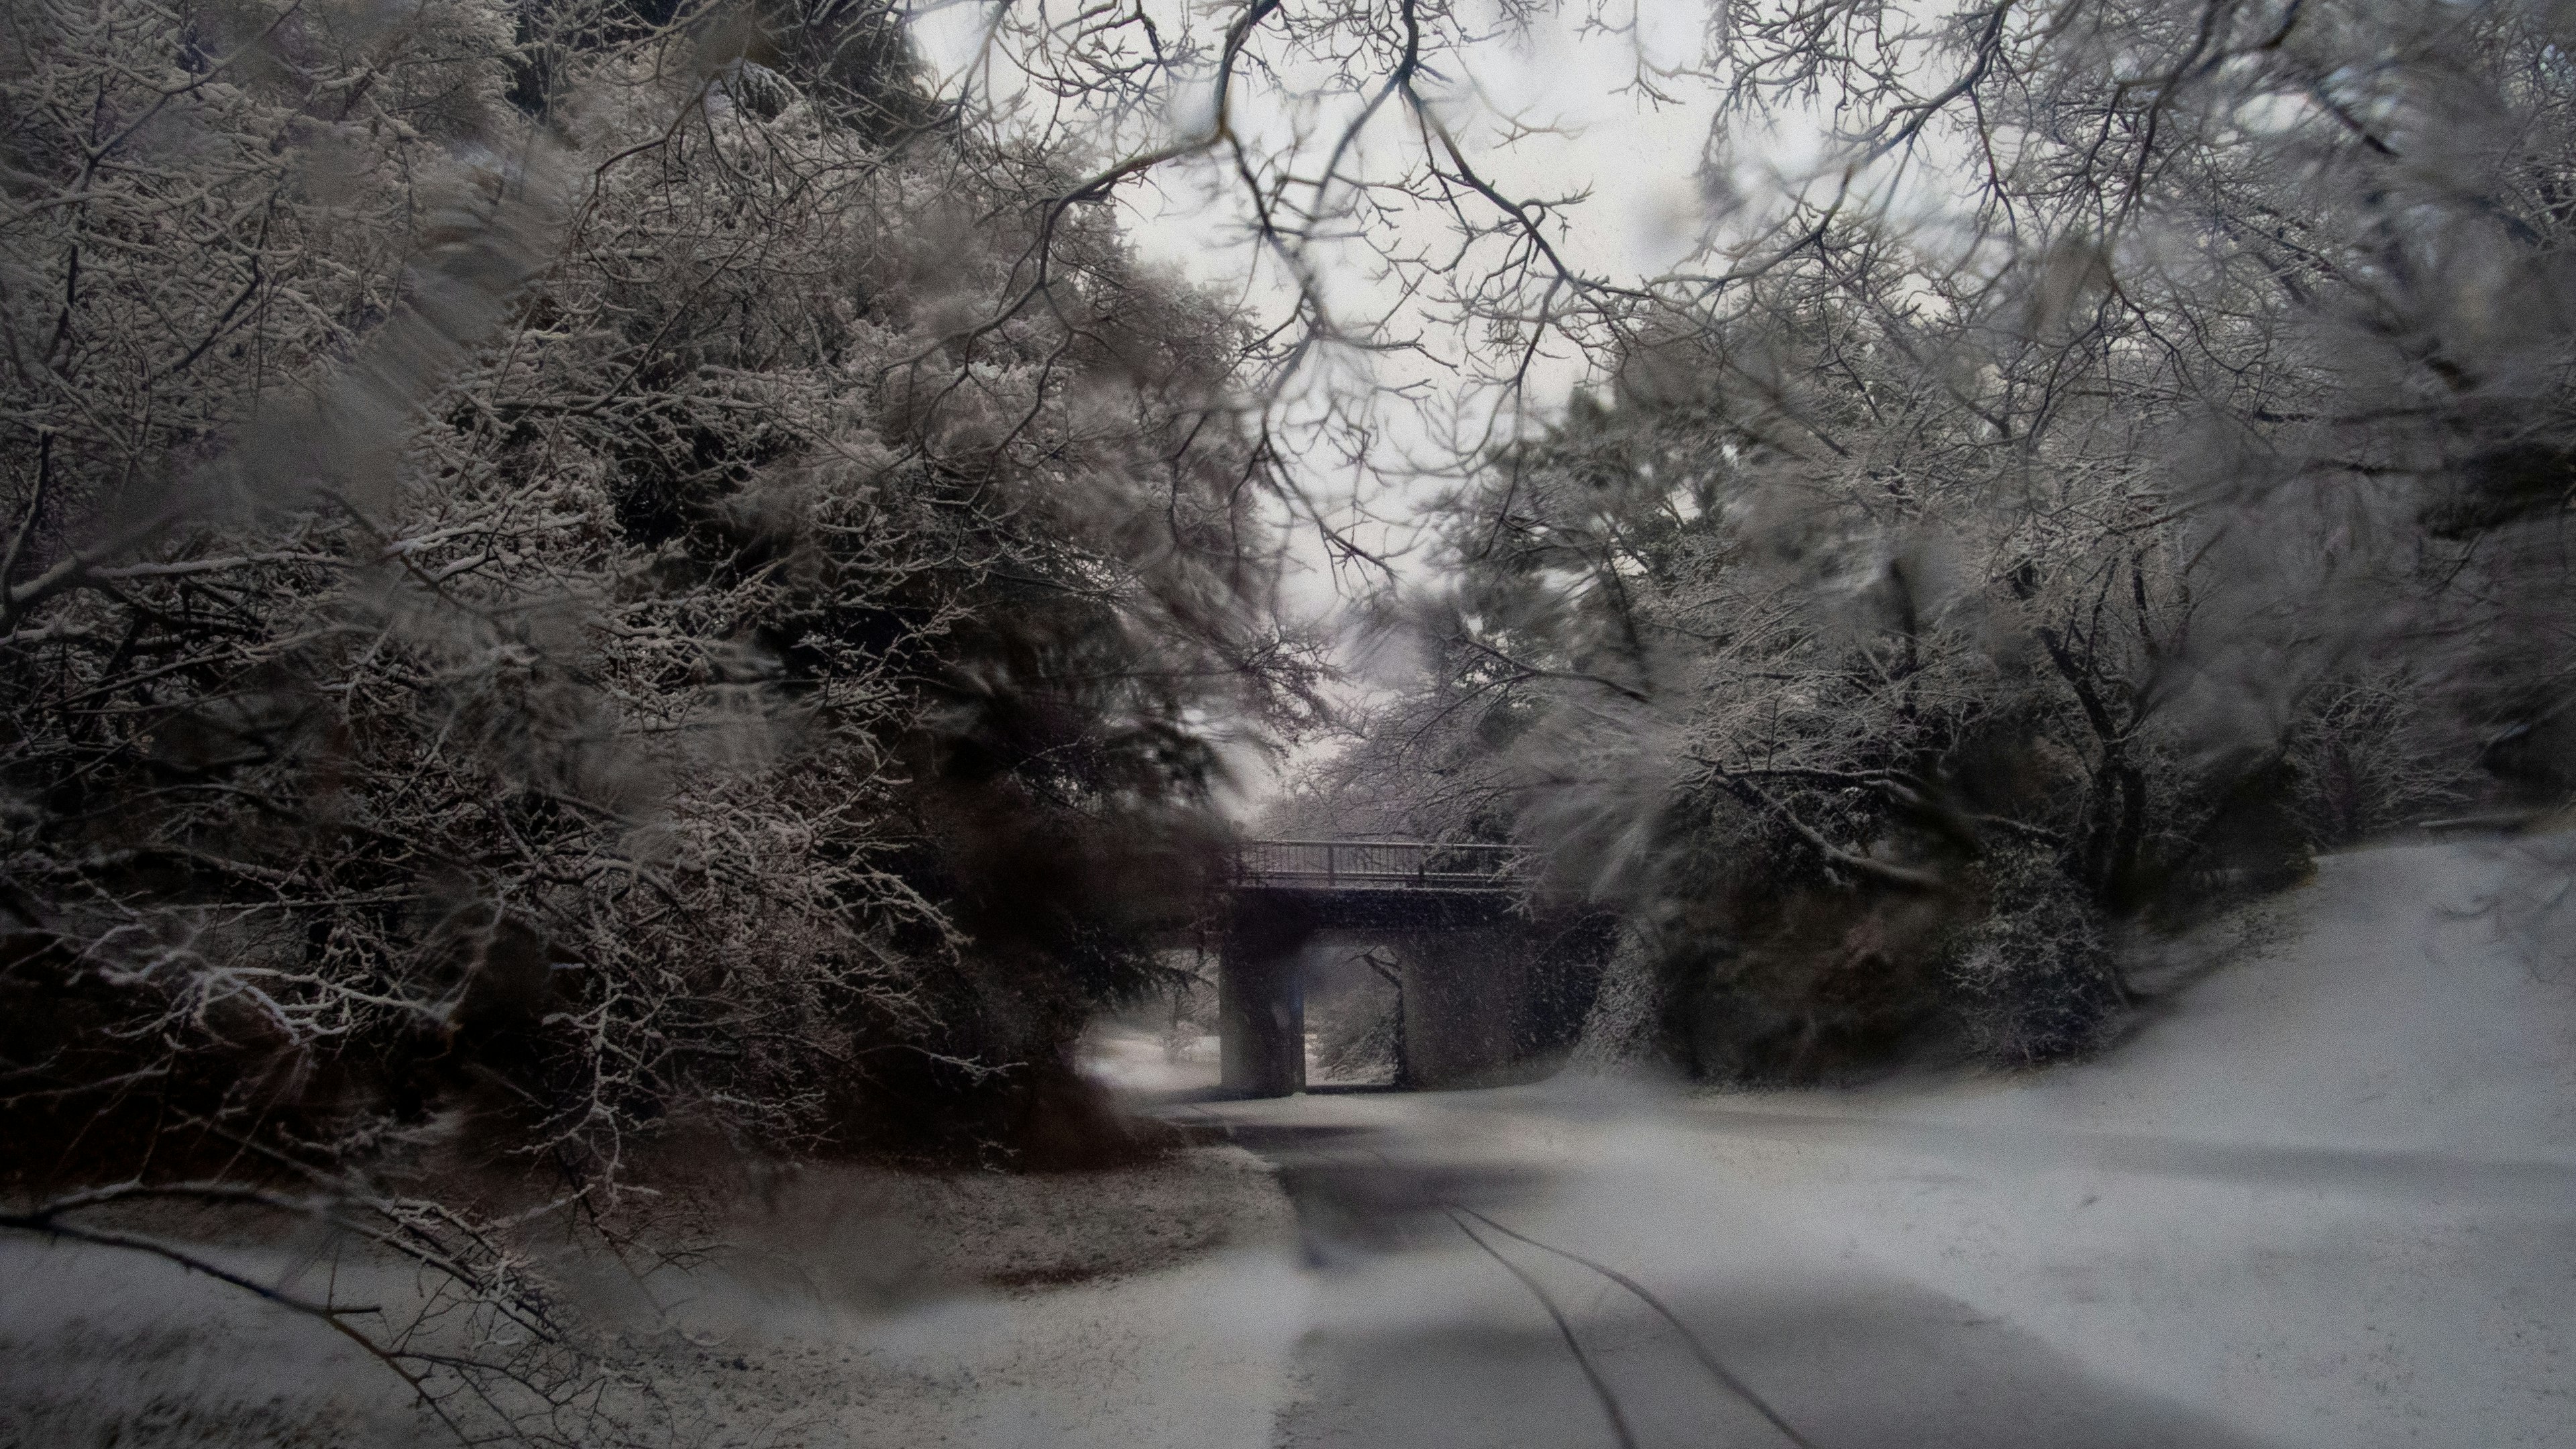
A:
{"points": [[1492, 985]]}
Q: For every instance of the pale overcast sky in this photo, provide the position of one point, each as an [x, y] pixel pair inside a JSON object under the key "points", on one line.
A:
{"points": [[1639, 161]]}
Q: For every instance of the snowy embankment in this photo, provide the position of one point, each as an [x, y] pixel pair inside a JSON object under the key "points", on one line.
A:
{"points": [[1152, 1306], [2418, 998], [2327, 1192]]}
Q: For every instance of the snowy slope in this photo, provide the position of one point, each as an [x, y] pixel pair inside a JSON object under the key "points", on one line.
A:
{"points": [[2416, 998], [2326, 1194]]}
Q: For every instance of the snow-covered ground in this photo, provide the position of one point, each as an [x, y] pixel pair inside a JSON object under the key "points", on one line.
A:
{"points": [[2419, 998], [1149, 1307], [1128, 1058], [1149, 1064], [2325, 1196], [2329, 1197]]}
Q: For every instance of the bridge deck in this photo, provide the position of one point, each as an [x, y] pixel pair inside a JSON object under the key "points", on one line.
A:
{"points": [[1394, 866]]}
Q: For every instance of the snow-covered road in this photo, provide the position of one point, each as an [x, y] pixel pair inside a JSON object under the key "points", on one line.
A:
{"points": [[2328, 1198]]}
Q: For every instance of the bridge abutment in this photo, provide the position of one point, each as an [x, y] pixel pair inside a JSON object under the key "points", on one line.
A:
{"points": [[1463, 990], [1261, 999]]}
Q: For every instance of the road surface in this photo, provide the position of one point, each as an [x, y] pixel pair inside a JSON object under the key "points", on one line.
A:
{"points": [[2326, 1198]]}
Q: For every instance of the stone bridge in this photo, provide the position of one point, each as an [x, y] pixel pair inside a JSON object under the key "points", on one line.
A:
{"points": [[1488, 984]]}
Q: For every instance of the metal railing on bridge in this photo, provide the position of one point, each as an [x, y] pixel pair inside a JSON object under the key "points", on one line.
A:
{"points": [[1375, 865]]}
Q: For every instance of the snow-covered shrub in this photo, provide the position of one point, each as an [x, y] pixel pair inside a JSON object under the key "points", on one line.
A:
{"points": [[2034, 978], [1359, 1033]]}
